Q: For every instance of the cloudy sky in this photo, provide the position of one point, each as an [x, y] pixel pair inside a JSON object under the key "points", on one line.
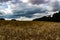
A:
{"points": [[28, 9]]}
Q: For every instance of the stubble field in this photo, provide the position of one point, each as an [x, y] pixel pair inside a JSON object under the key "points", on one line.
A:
{"points": [[29, 30]]}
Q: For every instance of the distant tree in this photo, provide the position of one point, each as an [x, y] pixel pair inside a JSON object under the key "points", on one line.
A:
{"points": [[13, 20], [56, 17], [2, 19], [43, 19]]}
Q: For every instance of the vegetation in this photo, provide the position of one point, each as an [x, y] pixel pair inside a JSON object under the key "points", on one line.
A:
{"points": [[56, 18], [13, 20], [2, 19], [34, 30]]}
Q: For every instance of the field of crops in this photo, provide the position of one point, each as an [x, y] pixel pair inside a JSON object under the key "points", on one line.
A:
{"points": [[29, 30]]}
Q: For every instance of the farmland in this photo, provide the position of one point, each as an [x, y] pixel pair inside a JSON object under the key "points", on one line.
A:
{"points": [[29, 30]]}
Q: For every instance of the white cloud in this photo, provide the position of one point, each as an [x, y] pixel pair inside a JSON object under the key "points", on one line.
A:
{"points": [[4, 8], [24, 19], [25, 1]]}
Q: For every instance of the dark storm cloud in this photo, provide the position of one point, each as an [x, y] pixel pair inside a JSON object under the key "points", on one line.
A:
{"points": [[38, 1], [4, 1], [27, 12], [56, 6]]}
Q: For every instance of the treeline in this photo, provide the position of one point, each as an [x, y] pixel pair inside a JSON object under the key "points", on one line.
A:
{"points": [[11, 19], [56, 17]]}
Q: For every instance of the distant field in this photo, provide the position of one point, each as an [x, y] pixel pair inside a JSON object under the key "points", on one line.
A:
{"points": [[33, 30]]}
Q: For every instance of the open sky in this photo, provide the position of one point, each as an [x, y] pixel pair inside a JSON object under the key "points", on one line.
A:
{"points": [[28, 9]]}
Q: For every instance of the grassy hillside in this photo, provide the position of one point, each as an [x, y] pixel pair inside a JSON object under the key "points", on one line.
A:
{"points": [[33, 30]]}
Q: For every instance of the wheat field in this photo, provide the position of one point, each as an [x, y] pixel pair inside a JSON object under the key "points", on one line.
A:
{"points": [[29, 30]]}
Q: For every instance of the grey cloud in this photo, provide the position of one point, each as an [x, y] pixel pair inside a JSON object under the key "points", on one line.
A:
{"points": [[21, 9], [4, 1], [27, 12], [38, 1], [56, 6]]}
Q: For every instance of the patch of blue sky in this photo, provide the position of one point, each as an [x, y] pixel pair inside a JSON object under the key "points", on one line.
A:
{"points": [[4, 6]]}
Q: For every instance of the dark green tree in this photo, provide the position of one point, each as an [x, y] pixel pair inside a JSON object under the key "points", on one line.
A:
{"points": [[13, 20], [2, 19], [56, 17]]}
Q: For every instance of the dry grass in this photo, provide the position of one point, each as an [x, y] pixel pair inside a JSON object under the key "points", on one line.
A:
{"points": [[33, 30]]}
